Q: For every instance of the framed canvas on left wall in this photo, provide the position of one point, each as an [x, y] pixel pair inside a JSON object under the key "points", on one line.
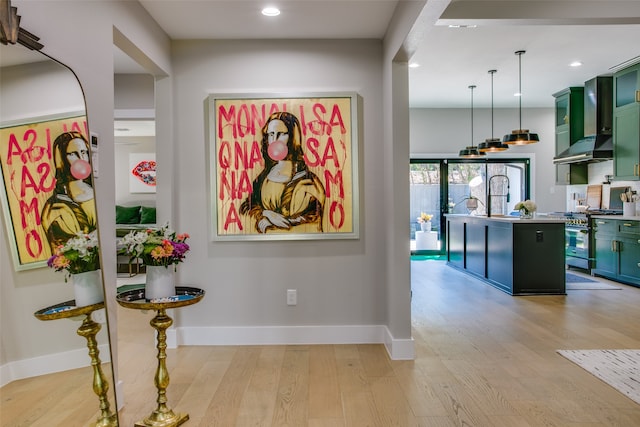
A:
{"points": [[47, 185]]}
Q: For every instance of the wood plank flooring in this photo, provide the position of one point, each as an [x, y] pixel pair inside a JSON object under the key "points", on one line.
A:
{"points": [[483, 358]]}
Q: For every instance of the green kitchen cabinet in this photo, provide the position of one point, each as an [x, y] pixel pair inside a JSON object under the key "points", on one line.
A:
{"points": [[617, 250], [606, 259], [569, 125], [626, 124], [630, 260]]}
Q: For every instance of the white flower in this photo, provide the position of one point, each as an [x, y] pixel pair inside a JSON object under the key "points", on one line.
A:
{"points": [[528, 206], [82, 243]]}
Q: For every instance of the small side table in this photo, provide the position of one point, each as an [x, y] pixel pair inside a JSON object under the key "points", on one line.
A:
{"points": [[88, 329], [162, 416]]}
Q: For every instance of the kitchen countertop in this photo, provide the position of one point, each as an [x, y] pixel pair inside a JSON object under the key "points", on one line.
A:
{"points": [[621, 217], [508, 218]]}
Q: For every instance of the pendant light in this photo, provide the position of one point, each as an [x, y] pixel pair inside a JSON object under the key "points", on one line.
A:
{"points": [[471, 151], [520, 136], [492, 145]]}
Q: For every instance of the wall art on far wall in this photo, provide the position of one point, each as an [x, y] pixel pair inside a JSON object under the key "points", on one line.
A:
{"points": [[47, 185], [283, 166], [142, 172]]}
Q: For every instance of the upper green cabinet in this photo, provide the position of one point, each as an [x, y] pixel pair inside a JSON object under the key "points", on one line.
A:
{"points": [[626, 124], [569, 129]]}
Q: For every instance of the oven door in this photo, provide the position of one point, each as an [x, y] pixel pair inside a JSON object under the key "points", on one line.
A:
{"points": [[577, 246]]}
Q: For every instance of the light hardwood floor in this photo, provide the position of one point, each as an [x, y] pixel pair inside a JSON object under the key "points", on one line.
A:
{"points": [[483, 358]]}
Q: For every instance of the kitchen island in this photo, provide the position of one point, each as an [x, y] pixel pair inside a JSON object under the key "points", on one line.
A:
{"points": [[517, 256]]}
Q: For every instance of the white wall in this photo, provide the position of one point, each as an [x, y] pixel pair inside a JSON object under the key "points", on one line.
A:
{"points": [[340, 283], [597, 176], [446, 131]]}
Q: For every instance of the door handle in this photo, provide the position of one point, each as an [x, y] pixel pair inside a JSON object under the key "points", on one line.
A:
{"points": [[638, 96]]}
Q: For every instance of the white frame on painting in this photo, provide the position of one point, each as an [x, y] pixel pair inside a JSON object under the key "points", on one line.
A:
{"points": [[319, 199]]}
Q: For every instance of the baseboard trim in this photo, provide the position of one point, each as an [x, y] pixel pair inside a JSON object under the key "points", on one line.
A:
{"points": [[50, 363], [398, 349]]}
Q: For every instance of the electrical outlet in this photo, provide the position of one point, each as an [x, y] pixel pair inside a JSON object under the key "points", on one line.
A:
{"points": [[292, 297]]}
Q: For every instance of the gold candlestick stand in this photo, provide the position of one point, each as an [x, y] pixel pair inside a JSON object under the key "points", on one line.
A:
{"points": [[89, 329], [162, 416]]}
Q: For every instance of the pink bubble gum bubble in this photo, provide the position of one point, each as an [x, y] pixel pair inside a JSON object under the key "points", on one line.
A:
{"points": [[277, 150], [80, 169]]}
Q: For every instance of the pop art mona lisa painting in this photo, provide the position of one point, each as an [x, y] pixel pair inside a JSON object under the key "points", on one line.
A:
{"points": [[47, 182], [284, 167]]}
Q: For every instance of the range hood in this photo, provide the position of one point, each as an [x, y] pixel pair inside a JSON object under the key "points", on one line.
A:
{"points": [[594, 148], [597, 146]]}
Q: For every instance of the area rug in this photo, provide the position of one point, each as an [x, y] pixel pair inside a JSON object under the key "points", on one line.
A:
{"points": [[618, 368], [574, 278], [588, 286], [428, 257]]}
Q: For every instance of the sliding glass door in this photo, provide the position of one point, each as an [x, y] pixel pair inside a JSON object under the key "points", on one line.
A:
{"points": [[460, 186]]}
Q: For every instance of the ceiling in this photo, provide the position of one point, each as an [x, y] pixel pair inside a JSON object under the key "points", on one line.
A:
{"points": [[600, 34]]}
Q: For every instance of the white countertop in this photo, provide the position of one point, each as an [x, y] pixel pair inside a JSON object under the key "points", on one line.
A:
{"points": [[622, 217], [538, 218]]}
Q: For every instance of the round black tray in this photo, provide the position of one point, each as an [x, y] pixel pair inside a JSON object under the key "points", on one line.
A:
{"points": [[66, 309], [135, 298]]}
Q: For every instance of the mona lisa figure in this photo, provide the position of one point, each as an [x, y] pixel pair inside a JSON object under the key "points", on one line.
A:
{"points": [[71, 208], [286, 194]]}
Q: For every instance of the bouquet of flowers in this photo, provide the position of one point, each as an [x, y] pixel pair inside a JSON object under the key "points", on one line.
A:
{"points": [[424, 217], [155, 246], [78, 255], [528, 206]]}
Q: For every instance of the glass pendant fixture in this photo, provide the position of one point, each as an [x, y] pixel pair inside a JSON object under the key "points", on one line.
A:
{"points": [[492, 145], [520, 136], [471, 151]]}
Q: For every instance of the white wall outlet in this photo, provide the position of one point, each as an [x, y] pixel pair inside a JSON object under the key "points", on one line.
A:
{"points": [[292, 297]]}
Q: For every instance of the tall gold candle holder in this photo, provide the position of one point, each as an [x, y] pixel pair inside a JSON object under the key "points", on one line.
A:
{"points": [[89, 329], [162, 416]]}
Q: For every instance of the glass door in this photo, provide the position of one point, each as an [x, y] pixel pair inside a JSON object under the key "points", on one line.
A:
{"points": [[425, 196], [460, 186]]}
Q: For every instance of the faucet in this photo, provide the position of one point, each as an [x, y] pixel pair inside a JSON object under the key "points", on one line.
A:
{"points": [[489, 195]]}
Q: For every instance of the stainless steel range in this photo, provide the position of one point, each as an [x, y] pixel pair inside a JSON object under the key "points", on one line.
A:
{"points": [[579, 249]]}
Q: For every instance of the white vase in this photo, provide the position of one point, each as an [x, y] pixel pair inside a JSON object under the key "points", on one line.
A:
{"points": [[425, 226], [160, 282], [87, 288]]}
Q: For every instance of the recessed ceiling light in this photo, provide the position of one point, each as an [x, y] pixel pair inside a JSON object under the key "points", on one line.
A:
{"points": [[575, 64], [462, 26], [271, 11], [517, 94], [414, 65]]}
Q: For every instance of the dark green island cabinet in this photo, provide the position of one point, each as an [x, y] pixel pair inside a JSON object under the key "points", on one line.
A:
{"points": [[517, 256], [617, 248]]}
